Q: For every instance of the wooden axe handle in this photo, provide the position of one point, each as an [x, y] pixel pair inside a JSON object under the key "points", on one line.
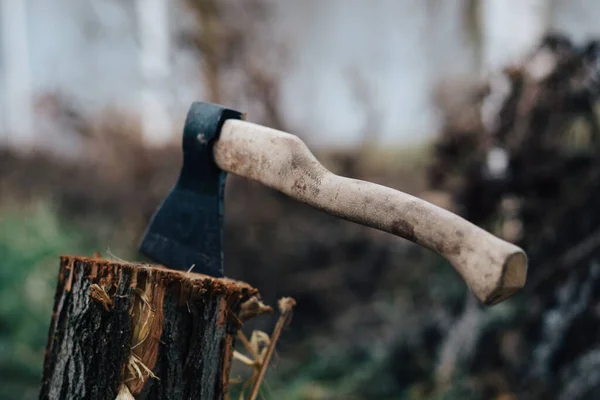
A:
{"points": [[492, 268]]}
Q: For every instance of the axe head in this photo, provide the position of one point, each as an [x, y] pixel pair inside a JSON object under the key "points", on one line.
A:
{"points": [[186, 230]]}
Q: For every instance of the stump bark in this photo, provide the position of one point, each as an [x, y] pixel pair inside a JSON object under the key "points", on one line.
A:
{"points": [[140, 331]]}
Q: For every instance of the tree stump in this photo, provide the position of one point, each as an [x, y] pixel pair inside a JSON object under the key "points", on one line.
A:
{"points": [[140, 331]]}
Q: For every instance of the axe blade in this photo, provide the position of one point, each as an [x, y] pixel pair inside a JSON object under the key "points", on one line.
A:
{"points": [[187, 228]]}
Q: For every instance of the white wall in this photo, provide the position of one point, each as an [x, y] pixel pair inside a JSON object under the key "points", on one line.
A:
{"points": [[402, 48], [89, 50]]}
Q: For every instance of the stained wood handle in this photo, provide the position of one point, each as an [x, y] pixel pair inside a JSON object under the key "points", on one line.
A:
{"points": [[491, 267]]}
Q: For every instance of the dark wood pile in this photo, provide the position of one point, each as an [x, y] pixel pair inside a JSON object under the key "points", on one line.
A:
{"points": [[523, 161]]}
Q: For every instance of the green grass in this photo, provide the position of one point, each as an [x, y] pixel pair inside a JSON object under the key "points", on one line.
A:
{"points": [[31, 241]]}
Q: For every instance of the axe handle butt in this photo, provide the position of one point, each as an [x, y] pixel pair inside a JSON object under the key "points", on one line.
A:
{"points": [[492, 268]]}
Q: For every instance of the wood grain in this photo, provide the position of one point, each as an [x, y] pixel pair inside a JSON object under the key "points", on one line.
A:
{"points": [[491, 267], [150, 332]]}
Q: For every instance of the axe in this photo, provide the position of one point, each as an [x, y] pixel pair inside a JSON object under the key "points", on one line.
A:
{"points": [[186, 230]]}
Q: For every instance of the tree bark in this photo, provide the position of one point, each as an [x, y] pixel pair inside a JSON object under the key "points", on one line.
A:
{"points": [[124, 329]]}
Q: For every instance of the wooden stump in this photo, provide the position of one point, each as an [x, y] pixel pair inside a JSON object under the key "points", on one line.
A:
{"points": [[123, 329]]}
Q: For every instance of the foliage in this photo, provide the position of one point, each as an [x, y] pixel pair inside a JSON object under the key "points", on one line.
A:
{"points": [[31, 240]]}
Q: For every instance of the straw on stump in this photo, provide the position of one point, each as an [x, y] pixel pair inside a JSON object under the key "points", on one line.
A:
{"points": [[138, 331]]}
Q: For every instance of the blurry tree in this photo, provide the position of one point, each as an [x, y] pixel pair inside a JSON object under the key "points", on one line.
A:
{"points": [[241, 58], [210, 41], [15, 65], [479, 16], [474, 30], [155, 69]]}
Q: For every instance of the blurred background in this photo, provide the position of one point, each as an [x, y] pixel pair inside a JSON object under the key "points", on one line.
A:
{"points": [[485, 107]]}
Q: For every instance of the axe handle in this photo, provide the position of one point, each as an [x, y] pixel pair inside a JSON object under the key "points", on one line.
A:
{"points": [[492, 268]]}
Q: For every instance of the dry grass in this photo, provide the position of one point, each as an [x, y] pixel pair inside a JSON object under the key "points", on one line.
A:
{"points": [[261, 346]]}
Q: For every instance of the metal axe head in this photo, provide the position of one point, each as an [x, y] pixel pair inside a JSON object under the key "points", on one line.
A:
{"points": [[186, 230]]}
